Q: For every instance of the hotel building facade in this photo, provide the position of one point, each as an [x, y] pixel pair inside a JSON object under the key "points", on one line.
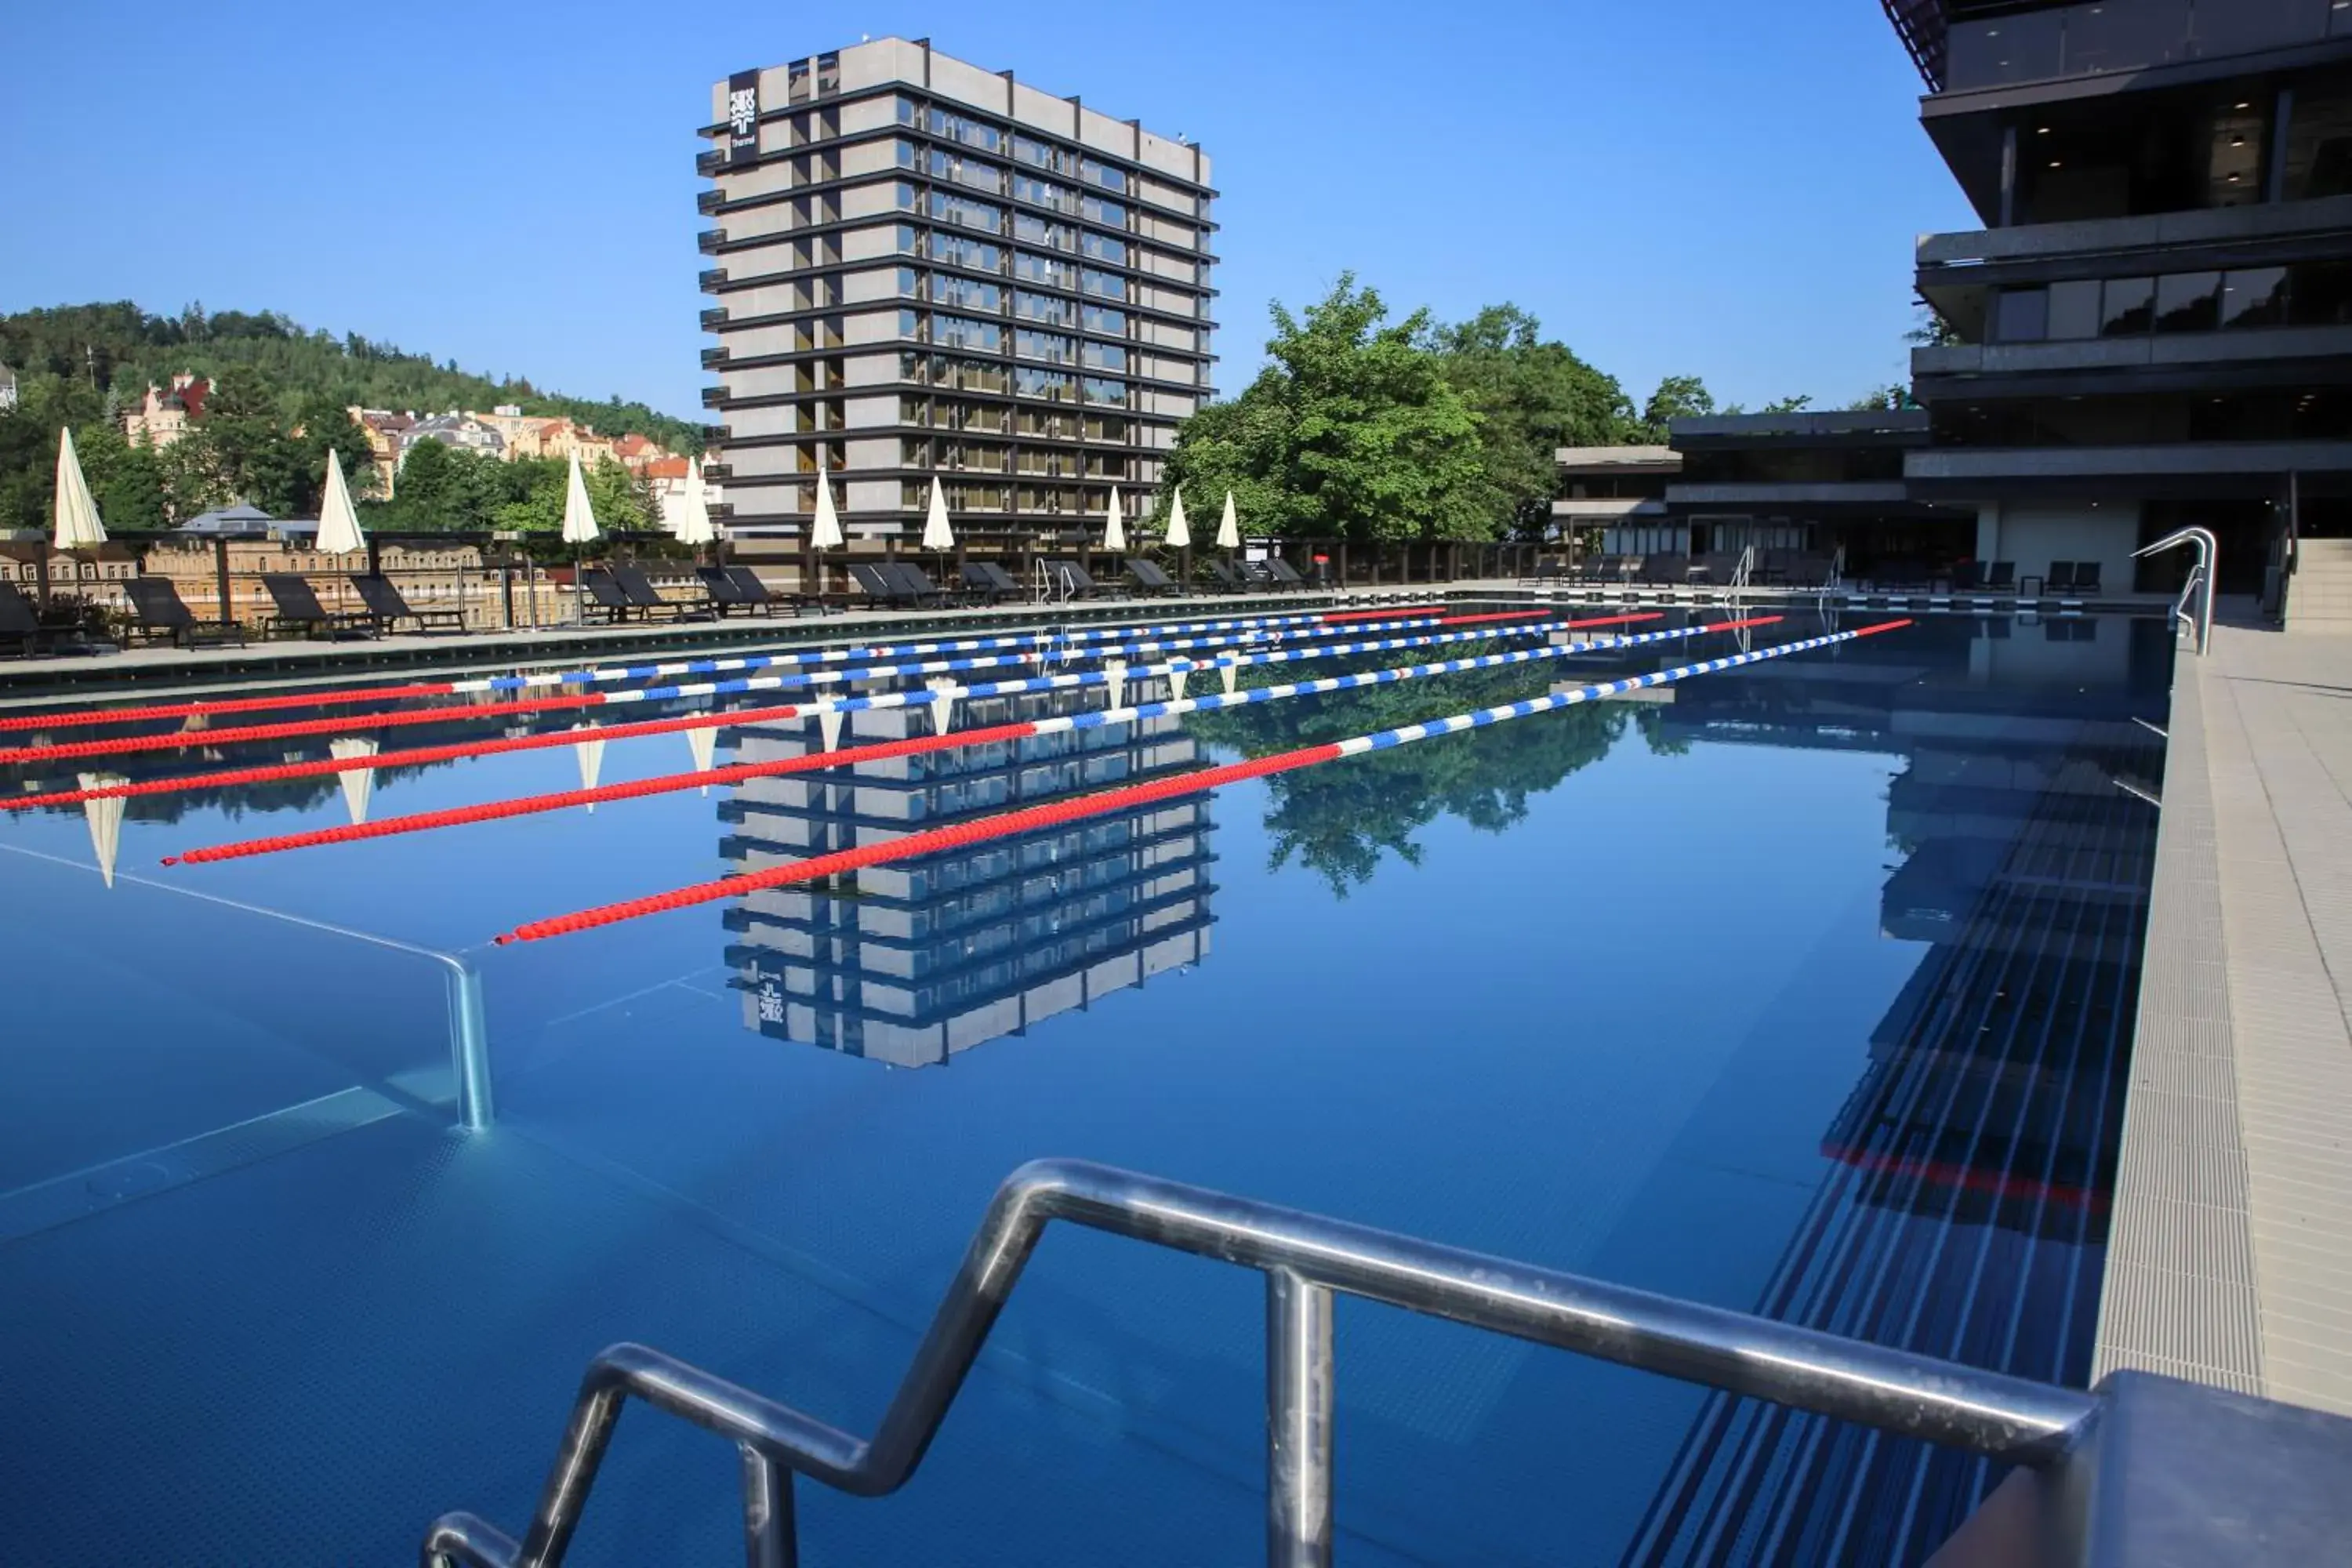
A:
{"points": [[921, 266]]}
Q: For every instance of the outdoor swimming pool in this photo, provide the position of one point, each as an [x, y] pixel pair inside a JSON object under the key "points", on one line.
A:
{"points": [[1804, 987]]}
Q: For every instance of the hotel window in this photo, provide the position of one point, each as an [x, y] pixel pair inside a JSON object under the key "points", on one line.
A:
{"points": [[1103, 285], [1096, 210], [1046, 270], [796, 82], [1110, 324], [914, 410], [911, 283], [962, 332], [962, 250], [906, 108], [2254, 298], [1038, 231], [1103, 175], [970, 132], [1106, 465], [979, 176], [908, 242], [967, 294], [1037, 154], [910, 325], [1051, 346], [2020, 315], [836, 456], [2189, 302], [1049, 384], [828, 75], [903, 155], [1047, 423], [1045, 308], [1102, 247], [1044, 194], [1111, 393], [915, 367], [902, 195], [2073, 311], [1103, 356], [2128, 307], [914, 452], [1105, 427], [949, 207], [2320, 295]]}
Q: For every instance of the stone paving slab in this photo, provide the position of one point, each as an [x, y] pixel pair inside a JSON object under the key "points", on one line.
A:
{"points": [[2230, 1260]]}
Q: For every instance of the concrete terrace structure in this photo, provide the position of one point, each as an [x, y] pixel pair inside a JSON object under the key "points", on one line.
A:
{"points": [[924, 266]]}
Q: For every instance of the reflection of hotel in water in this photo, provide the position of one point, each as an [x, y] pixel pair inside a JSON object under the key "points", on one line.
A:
{"points": [[1964, 1214], [910, 965]]}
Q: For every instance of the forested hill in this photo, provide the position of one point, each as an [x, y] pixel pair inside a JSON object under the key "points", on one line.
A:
{"points": [[119, 348]]}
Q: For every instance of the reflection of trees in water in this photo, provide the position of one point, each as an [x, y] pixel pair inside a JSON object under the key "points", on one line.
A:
{"points": [[1339, 820], [234, 802]]}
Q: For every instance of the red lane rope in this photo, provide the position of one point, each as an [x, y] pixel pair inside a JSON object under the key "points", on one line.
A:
{"points": [[180, 739], [638, 789], [81, 718], [279, 771], [1002, 826], [1051, 814], [635, 789]]}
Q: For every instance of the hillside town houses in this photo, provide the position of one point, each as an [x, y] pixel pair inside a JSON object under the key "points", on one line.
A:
{"points": [[506, 433]]}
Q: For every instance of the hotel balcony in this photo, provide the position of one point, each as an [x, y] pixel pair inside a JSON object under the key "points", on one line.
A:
{"points": [[2213, 469], [709, 201], [714, 317], [709, 279], [712, 358], [710, 240], [710, 161]]}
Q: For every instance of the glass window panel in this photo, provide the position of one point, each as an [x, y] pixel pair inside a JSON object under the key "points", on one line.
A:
{"points": [[1106, 285], [2188, 302], [1102, 247], [2320, 295], [2021, 316], [2073, 311], [2254, 298], [2128, 307], [1044, 270]]}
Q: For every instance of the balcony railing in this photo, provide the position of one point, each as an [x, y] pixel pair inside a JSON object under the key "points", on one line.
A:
{"points": [[710, 240], [712, 358], [709, 201], [711, 277], [713, 396], [714, 317], [710, 161]]}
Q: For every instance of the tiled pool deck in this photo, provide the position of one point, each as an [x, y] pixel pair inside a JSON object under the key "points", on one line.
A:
{"points": [[2231, 1256]]}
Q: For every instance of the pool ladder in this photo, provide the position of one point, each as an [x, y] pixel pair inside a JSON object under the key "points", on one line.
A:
{"points": [[1307, 1260]]}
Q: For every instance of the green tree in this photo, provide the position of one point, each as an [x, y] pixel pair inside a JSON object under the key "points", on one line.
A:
{"points": [[1351, 431], [1677, 397], [1796, 404], [442, 489], [45, 404], [1532, 397], [127, 480]]}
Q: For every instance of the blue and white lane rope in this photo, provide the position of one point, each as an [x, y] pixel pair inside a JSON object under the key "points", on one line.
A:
{"points": [[940, 739], [1086, 636], [987, 661], [1130, 797]]}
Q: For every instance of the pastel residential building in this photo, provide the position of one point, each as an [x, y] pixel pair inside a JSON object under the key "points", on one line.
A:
{"points": [[163, 415]]}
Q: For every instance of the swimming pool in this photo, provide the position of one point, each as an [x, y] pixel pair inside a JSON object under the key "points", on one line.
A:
{"points": [[1801, 986]]}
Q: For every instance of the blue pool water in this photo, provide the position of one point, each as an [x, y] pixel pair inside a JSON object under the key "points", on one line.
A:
{"points": [[1807, 991]]}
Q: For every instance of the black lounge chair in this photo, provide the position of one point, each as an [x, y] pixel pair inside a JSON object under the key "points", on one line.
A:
{"points": [[20, 623], [756, 592], [1285, 575], [300, 612], [2086, 576], [722, 593], [990, 583], [387, 607], [647, 599], [1149, 578], [601, 594], [157, 610], [882, 587], [1225, 579], [1072, 581], [920, 589]]}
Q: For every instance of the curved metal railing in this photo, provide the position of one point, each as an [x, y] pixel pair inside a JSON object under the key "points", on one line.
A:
{"points": [[2195, 606], [1306, 1259]]}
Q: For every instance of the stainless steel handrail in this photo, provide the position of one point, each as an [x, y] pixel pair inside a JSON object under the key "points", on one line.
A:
{"points": [[1307, 1258], [2200, 579]]}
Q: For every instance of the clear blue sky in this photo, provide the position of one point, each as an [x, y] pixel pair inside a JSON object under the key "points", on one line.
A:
{"points": [[1715, 186]]}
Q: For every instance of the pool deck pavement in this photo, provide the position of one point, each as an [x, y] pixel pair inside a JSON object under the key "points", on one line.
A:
{"points": [[2230, 1255]]}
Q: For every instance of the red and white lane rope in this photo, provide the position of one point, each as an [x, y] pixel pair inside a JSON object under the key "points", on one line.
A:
{"points": [[1022, 729], [1078, 807]]}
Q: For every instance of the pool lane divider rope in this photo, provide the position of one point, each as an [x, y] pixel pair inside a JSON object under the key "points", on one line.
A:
{"points": [[123, 745], [1022, 729], [420, 756], [89, 717], [1077, 808]]}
